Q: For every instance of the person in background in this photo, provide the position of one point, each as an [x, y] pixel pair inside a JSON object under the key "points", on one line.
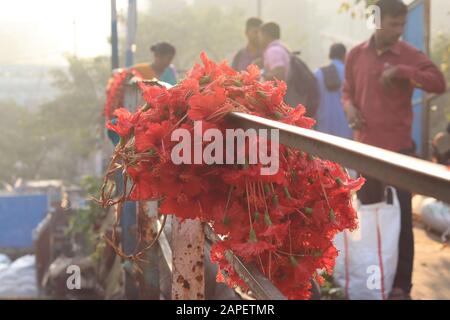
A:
{"points": [[280, 63], [330, 115], [276, 55], [161, 67], [380, 77], [433, 213], [252, 52], [441, 147]]}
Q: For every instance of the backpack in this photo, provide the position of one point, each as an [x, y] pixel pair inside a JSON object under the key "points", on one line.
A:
{"points": [[302, 87], [331, 78]]}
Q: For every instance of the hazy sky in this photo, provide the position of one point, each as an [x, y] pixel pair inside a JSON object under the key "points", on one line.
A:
{"points": [[41, 31]]}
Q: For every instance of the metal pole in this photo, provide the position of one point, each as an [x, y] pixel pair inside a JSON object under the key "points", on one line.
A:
{"points": [[131, 33], [426, 111], [128, 222], [149, 288], [75, 38], [114, 37], [188, 253], [128, 219]]}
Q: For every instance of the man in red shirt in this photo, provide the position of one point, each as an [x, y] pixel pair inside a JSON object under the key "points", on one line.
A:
{"points": [[380, 77]]}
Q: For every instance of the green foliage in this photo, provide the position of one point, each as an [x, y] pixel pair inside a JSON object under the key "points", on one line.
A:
{"points": [[215, 27], [20, 143], [217, 31], [440, 116], [85, 222], [441, 53], [329, 291], [353, 6], [52, 142]]}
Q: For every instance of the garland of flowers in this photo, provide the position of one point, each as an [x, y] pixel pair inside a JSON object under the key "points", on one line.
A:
{"points": [[284, 223], [115, 91]]}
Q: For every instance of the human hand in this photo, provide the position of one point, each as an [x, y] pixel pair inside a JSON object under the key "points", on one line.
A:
{"points": [[356, 120], [388, 76]]}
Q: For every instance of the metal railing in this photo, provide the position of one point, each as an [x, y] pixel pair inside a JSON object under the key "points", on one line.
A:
{"points": [[402, 171]]}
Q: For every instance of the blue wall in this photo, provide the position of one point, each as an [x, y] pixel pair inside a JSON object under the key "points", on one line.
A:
{"points": [[19, 215], [415, 35]]}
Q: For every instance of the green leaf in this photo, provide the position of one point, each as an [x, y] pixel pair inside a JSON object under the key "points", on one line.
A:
{"points": [[332, 215], [267, 219], [266, 189], [286, 193], [252, 236], [294, 261], [275, 201]]}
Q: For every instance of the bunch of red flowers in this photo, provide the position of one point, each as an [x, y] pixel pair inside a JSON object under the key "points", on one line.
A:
{"points": [[284, 223], [115, 90], [114, 93]]}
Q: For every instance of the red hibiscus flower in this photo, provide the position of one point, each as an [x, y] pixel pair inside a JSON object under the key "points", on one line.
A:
{"points": [[151, 135], [123, 124], [208, 106]]}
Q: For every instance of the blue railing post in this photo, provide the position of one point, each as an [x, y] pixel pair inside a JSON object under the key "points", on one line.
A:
{"points": [[128, 219]]}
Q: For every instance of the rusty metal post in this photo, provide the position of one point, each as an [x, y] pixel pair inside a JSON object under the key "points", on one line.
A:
{"points": [[188, 249], [149, 288]]}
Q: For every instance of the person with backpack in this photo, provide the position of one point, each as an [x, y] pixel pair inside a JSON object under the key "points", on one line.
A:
{"points": [[280, 63], [330, 115]]}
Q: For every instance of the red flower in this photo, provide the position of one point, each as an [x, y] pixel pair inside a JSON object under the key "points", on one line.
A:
{"points": [[231, 221], [123, 124], [207, 106], [297, 117], [181, 206], [144, 184], [175, 179], [328, 259], [251, 249], [114, 93], [278, 231], [251, 75], [154, 95], [151, 135], [218, 256]]}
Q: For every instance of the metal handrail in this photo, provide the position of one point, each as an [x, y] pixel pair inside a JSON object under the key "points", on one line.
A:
{"points": [[393, 168], [261, 287]]}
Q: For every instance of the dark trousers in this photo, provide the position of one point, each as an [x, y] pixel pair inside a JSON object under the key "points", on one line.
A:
{"points": [[373, 192]]}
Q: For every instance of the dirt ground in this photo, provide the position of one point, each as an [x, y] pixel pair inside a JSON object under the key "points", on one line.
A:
{"points": [[431, 277]]}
